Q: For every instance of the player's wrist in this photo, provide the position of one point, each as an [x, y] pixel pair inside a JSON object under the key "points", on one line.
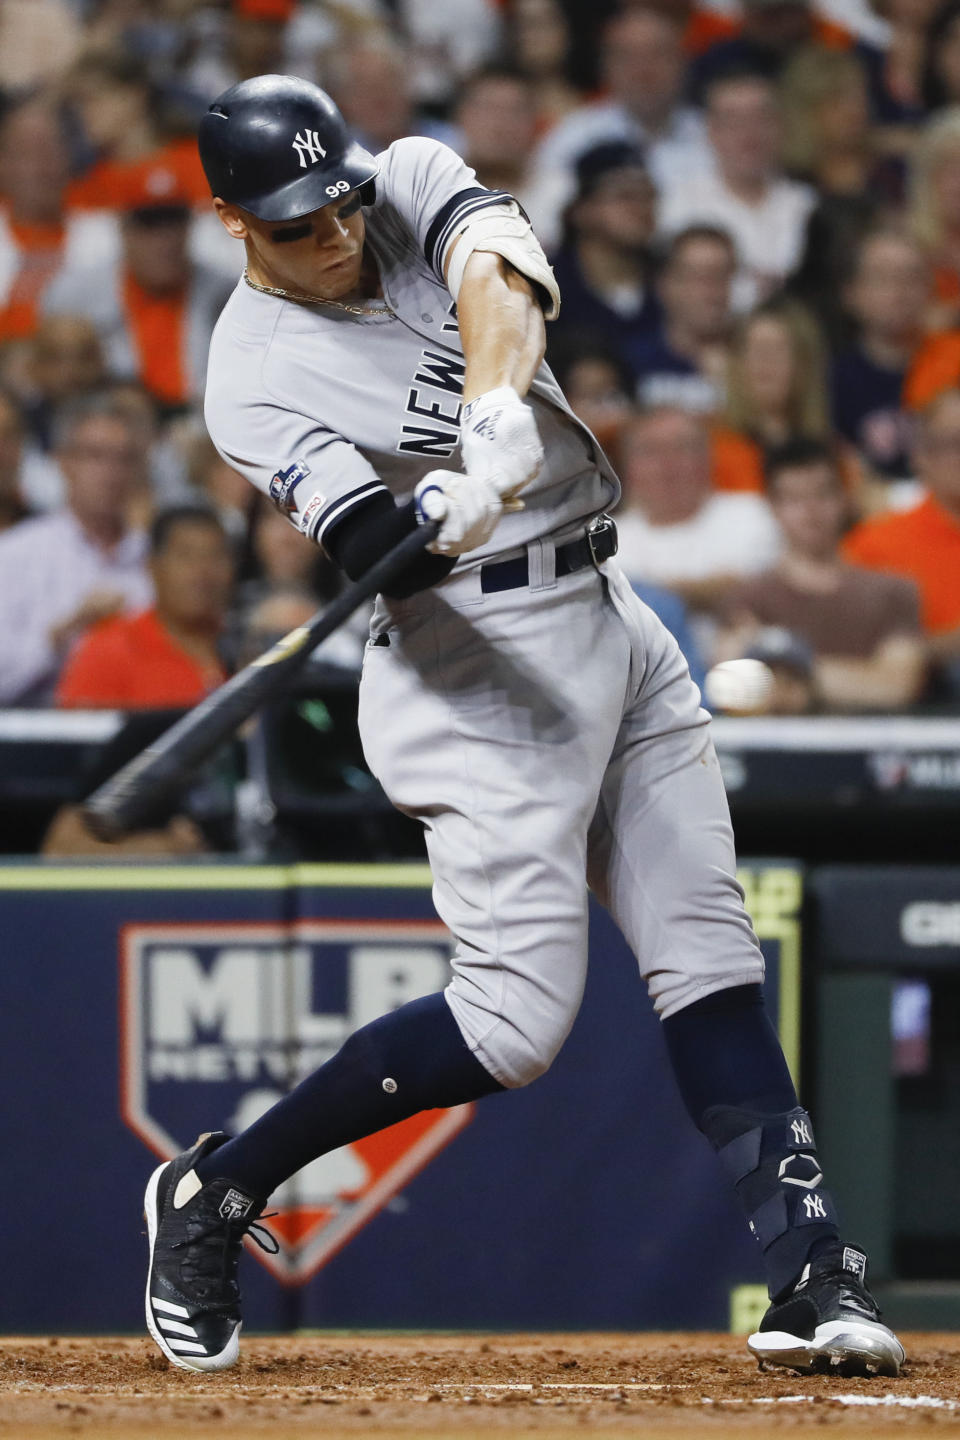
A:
{"points": [[501, 395]]}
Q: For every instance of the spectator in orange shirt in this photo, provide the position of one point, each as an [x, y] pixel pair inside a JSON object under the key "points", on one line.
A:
{"points": [[166, 656], [924, 543], [37, 236], [142, 156], [117, 108], [155, 310]]}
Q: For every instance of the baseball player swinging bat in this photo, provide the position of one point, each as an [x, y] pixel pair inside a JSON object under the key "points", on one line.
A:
{"points": [[521, 703], [128, 798]]}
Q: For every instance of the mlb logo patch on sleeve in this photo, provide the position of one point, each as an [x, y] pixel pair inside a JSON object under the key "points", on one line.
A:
{"points": [[284, 483]]}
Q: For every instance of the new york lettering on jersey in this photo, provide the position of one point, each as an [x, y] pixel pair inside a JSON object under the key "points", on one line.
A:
{"points": [[435, 373]]}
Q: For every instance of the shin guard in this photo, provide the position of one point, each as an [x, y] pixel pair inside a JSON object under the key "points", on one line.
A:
{"points": [[772, 1161]]}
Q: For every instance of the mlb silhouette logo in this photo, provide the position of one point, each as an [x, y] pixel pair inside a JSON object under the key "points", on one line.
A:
{"points": [[219, 1021]]}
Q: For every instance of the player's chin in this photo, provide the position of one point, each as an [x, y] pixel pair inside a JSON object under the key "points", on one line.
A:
{"points": [[338, 279]]}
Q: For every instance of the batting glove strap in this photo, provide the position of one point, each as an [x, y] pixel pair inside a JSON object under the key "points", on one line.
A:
{"points": [[499, 439]]}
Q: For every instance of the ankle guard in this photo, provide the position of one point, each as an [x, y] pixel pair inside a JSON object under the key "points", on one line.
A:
{"points": [[772, 1161]]}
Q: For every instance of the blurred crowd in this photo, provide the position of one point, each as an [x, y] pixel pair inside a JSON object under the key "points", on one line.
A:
{"points": [[753, 209]]}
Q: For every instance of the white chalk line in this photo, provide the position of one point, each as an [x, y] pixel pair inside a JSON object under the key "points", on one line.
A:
{"points": [[889, 1402], [556, 1385], [481, 1388], [365, 1391]]}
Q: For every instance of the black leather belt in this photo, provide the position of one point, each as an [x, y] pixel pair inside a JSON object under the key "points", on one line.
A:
{"points": [[597, 545]]}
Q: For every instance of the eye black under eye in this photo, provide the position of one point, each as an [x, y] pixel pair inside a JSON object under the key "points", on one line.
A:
{"points": [[292, 232], [351, 207]]}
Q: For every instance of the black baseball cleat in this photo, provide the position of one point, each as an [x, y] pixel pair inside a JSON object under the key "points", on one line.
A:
{"points": [[196, 1233], [829, 1323]]}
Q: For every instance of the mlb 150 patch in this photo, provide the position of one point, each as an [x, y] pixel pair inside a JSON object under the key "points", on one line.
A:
{"points": [[219, 1021], [284, 483]]}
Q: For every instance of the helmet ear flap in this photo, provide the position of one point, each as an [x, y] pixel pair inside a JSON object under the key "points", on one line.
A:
{"points": [[368, 193]]}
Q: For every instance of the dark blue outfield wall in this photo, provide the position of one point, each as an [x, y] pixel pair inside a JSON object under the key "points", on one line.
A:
{"points": [[142, 1005]]}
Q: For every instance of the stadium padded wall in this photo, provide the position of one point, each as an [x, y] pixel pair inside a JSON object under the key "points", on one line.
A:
{"points": [[144, 1004]]}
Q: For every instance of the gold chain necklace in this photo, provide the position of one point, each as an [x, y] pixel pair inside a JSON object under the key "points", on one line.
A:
{"points": [[379, 312]]}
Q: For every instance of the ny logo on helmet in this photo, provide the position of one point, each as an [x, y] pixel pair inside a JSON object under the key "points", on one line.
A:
{"points": [[309, 144]]}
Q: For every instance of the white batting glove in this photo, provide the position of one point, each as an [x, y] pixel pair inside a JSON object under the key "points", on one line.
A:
{"points": [[468, 507], [498, 437]]}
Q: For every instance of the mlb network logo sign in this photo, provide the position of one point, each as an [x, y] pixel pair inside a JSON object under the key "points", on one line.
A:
{"points": [[219, 1021]]}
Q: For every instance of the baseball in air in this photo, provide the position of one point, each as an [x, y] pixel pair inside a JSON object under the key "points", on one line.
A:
{"points": [[739, 687]]}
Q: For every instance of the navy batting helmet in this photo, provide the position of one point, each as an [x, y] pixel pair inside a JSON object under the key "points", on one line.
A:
{"points": [[280, 148]]}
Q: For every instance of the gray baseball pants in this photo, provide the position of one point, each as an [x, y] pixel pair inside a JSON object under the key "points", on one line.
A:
{"points": [[548, 737]]}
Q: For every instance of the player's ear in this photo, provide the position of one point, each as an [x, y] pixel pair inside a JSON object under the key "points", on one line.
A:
{"points": [[231, 219]]}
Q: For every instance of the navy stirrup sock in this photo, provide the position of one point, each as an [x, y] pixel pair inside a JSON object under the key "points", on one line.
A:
{"points": [[737, 1088], [413, 1059]]}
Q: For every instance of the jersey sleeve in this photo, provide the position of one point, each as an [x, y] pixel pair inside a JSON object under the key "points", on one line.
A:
{"points": [[435, 193], [313, 476]]}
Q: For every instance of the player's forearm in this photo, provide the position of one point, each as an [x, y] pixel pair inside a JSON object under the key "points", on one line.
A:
{"points": [[501, 327], [366, 535]]}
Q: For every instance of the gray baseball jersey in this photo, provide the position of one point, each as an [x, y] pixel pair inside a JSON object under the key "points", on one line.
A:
{"points": [[543, 732], [321, 408]]}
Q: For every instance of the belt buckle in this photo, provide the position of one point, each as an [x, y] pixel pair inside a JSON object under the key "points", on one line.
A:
{"points": [[602, 528]]}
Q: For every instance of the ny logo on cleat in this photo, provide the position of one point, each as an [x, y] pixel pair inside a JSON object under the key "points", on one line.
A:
{"points": [[309, 144], [801, 1132], [814, 1207]]}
